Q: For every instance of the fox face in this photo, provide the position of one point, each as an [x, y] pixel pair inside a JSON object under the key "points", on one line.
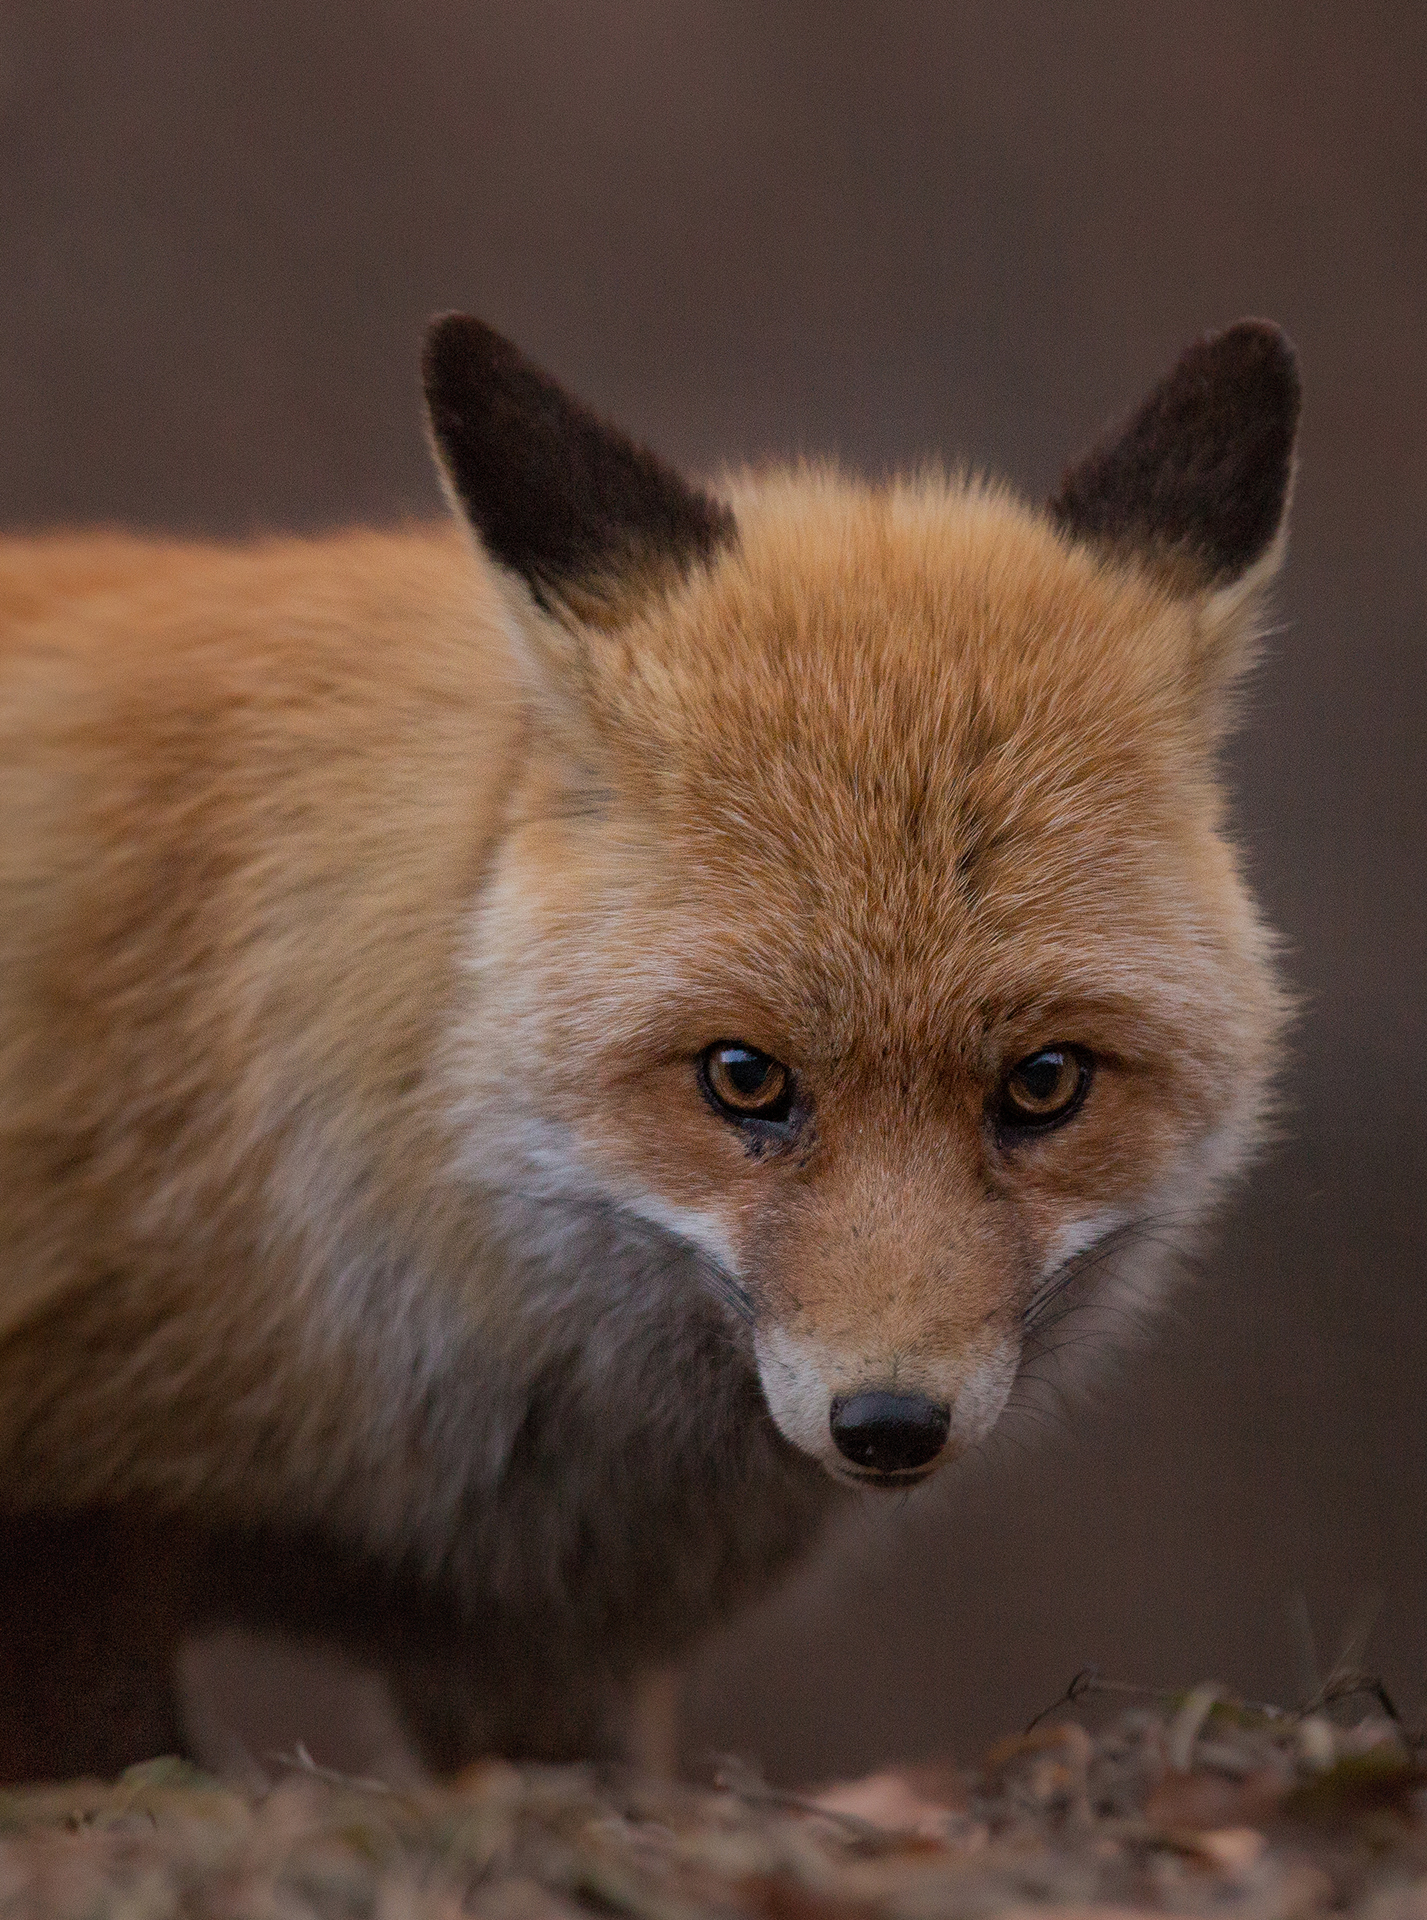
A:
{"points": [[864, 914]]}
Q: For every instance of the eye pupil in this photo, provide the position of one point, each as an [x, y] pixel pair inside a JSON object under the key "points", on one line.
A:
{"points": [[746, 1083], [1041, 1076], [746, 1070]]}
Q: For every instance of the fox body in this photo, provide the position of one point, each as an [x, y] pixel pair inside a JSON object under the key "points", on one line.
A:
{"points": [[535, 1053]]}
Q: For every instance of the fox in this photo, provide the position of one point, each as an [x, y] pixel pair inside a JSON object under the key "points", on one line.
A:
{"points": [[544, 1054]]}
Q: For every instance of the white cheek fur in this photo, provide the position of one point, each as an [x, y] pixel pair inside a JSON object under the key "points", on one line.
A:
{"points": [[697, 1227], [983, 1393], [1077, 1237], [799, 1397], [511, 1149]]}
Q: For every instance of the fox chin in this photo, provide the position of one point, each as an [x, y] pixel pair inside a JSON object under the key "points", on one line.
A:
{"points": [[536, 1052]]}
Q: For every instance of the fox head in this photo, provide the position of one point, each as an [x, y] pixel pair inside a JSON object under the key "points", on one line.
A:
{"points": [[865, 914]]}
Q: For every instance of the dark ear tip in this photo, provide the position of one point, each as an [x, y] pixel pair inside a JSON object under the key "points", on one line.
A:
{"points": [[443, 330], [454, 344], [1253, 334], [443, 325], [1257, 358]]}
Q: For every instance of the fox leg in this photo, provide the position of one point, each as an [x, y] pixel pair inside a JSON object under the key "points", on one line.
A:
{"points": [[93, 1608], [651, 1738]]}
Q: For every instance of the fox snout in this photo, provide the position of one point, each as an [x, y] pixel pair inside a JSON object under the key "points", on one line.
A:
{"points": [[885, 1420], [890, 1436]]}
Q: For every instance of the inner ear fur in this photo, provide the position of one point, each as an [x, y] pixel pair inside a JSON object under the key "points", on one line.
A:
{"points": [[586, 518]]}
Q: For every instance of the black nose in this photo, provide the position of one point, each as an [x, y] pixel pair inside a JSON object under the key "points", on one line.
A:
{"points": [[889, 1432]]}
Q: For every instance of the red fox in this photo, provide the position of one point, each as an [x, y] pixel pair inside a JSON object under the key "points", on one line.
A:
{"points": [[538, 1053]]}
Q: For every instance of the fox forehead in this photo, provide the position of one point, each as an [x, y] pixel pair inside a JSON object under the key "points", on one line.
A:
{"points": [[878, 642], [902, 767]]}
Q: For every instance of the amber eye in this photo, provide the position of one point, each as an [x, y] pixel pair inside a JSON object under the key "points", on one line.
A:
{"points": [[747, 1084], [1044, 1088]]}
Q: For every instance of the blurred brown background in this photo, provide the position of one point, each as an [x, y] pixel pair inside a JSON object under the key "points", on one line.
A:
{"points": [[747, 229]]}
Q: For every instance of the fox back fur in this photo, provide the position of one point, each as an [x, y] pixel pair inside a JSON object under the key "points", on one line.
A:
{"points": [[537, 1052]]}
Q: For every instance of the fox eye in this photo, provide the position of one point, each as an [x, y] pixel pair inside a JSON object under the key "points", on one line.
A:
{"points": [[746, 1084], [1044, 1088]]}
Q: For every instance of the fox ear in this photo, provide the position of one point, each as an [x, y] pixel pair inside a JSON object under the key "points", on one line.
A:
{"points": [[560, 497], [1197, 481], [1196, 486]]}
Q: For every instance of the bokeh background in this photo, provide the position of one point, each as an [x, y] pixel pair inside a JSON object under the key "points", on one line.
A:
{"points": [[769, 227]]}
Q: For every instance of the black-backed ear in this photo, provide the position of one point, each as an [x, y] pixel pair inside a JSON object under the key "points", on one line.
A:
{"points": [[1198, 479], [555, 493]]}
